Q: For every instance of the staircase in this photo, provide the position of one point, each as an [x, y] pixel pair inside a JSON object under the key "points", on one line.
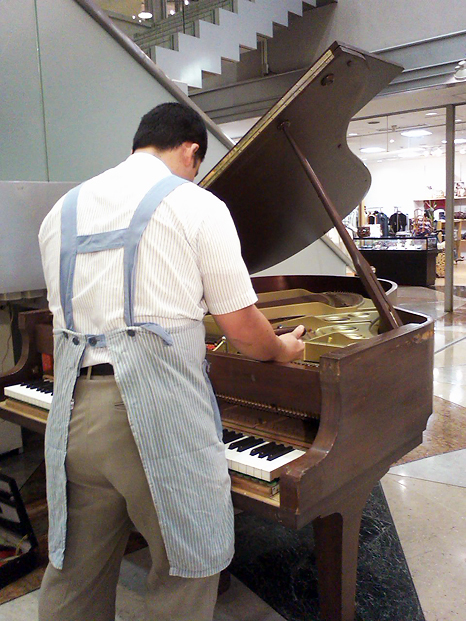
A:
{"points": [[215, 30]]}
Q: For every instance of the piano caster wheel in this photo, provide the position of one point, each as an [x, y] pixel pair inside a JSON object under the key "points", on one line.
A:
{"points": [[224, 582]]}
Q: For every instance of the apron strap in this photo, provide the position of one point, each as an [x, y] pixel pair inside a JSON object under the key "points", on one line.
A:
{"points": [[138, 224], [72, 245], [68, 253]]}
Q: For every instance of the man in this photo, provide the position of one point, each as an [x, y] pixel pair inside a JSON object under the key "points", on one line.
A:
{"points": [[133, 259]]}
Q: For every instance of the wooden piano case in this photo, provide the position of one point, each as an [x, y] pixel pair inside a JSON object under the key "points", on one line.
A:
{"points": [[360, 409]]}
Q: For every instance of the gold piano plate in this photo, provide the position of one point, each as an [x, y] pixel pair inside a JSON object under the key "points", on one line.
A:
{"points": [[328, 327]]}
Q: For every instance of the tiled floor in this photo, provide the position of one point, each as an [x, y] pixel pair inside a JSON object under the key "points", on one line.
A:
{"points": [[426, 495]]}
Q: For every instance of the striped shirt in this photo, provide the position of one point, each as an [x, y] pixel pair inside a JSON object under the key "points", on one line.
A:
{"points": [[189, 259]]}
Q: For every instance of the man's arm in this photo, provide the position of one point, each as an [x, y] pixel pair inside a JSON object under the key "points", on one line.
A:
{"points": [[249, 331]]}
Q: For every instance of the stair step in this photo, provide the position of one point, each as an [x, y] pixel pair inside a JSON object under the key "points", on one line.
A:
{"points": [[208, 43]]}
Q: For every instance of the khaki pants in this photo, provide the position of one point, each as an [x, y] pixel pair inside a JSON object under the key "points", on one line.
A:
{"points": [[107, 493]]}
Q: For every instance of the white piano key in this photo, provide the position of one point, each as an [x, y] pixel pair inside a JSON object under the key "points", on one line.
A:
{"points": [[259, 467], [29, 395]]}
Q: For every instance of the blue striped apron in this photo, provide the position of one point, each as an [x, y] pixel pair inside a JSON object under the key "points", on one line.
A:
{"points": [[171, 408]]}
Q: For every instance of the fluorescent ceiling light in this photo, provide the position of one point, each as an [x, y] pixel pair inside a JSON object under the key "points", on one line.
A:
{"points": [[416, 133], [372, 150], [431, 113], [352, 134]]}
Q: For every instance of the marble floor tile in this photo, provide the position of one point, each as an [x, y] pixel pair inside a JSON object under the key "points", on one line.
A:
{"points": [[449, 468], [431, 521], [454, 393], [425, 300], [451, 356], [448, 336], [445, 431], [21, 609], [237, 604], [240, 604], [454, 374]]}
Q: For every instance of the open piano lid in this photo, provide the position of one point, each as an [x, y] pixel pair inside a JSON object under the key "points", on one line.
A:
{"points": [[275, 208]]}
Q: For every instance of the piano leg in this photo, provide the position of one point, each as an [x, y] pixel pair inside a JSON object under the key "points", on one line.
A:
{"points": [[336, 547]]}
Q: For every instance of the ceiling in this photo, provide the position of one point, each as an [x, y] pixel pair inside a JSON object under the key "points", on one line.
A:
{"points": [[382, 122]]}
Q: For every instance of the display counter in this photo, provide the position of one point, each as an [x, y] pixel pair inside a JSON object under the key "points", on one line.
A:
{"points": [[405, 260]]}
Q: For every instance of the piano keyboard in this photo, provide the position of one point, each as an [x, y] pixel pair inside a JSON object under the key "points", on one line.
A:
{"points": [[250, 455], [38, 393], [256, 457]]}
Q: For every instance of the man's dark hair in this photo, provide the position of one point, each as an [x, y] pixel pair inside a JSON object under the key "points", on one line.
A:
{"points": [[167, 126]]}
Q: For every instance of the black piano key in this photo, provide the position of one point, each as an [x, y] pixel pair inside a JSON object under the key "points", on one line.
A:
{"points": [[32, 384], [279, 448], [250, 444], [245, 443], [280, 453], [229, 436], [265, 450]]}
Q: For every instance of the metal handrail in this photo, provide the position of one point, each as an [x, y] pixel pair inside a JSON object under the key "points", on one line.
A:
{"points": [[163, 33]]}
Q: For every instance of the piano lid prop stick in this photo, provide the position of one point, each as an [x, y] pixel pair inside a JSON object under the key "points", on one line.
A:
{"points": [[387, 312]]}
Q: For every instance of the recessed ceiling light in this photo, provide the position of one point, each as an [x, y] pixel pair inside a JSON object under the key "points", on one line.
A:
{"points": [[458, 120], [353, 134], [444, 142], [372, 150], [460, 140], [431, 113], [392, 140], [416, 133]]}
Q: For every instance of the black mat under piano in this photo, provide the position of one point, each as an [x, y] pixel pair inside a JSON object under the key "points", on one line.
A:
{"points": [[278, 564]]}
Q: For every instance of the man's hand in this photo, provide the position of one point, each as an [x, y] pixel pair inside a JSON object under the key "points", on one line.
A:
{"points": [[293, 345], [250, 332]]}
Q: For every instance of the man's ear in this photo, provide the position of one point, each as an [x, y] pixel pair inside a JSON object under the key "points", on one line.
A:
{"points": [[191, 149]]}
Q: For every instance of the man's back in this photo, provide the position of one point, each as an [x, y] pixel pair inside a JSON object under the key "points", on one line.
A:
{"points": [[188, 254]]}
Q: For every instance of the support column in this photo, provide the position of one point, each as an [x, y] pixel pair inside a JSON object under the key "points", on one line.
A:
{"points": [[449, 207]]}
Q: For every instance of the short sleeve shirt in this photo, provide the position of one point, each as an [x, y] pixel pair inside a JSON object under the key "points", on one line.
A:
{"points": [[188, 262]]}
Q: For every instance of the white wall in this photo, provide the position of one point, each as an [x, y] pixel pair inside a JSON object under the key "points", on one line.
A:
{"points": [[399, 183], [317, 258], [72, 96], [367, 24]]}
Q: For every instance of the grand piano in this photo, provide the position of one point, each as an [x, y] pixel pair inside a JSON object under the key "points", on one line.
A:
{"points": [[350, 408]]}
